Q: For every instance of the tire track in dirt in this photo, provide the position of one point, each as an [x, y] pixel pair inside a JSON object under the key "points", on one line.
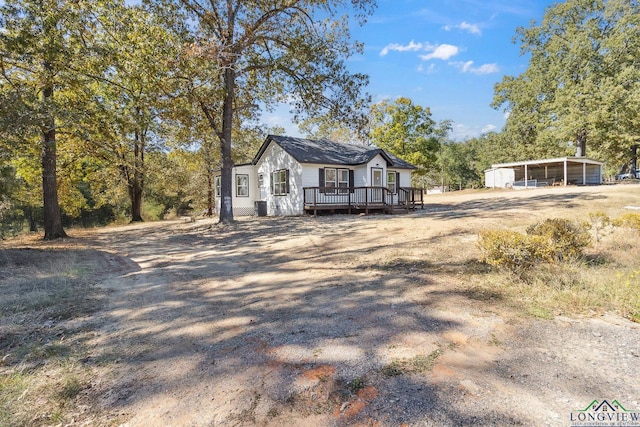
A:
{"points": [[318, 321]]}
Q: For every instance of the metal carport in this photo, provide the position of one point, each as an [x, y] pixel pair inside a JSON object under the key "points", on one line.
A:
{"points": [[538, 173]]}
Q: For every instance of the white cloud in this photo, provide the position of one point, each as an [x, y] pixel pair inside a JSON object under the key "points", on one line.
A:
{"points": [[487, 69], [465, 26], [443, 51], [428, 70], [489, 128], [467, 67], [411, 47], [470, 28]]}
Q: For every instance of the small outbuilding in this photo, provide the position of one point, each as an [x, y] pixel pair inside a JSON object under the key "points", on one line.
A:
{"points": [[540, 173]]}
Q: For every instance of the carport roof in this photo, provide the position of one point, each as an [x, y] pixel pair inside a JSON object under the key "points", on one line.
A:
{"points": [[545, 162]]}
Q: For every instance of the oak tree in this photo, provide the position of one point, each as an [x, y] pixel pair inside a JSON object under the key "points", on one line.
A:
{"points": [[408, 131], [253, 54], [582, 84]]}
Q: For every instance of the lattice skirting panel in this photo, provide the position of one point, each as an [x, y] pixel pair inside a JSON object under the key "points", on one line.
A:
{"points": [[243, 211]]}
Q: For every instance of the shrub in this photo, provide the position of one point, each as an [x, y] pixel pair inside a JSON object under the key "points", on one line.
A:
{"points": [[563, 238], [600, 224], [508, 249], [552, 240], [629, 220]]}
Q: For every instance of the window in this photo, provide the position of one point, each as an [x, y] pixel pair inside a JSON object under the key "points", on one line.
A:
{"points": [[217, 185], [336, 178], [392, 183], [280, 182], [329, 179], [261, 190], [343, 180], [242, 185]]}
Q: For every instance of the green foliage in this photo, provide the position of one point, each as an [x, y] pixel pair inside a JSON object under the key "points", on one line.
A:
{"points": [[152, 210], [408, 131], [581, 82], [457, 165], [552, 240], [308, 43], [356, 385]]}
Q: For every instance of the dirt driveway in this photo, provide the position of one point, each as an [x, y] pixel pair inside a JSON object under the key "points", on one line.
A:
{"points": [[343, 320]]}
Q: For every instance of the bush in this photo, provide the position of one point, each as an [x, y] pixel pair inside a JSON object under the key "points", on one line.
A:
{"points": [[563, 239], [629, 220], [600, 224], [552, 240], [507, 249]]}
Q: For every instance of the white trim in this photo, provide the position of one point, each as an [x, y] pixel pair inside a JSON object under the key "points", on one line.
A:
{"points": [[547, 161]]}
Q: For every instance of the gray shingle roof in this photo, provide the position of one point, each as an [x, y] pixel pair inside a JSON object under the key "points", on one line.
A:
{"points": [[328, 152]]}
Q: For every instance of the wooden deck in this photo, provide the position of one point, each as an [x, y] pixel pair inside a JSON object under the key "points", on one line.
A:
{"points": [[362, 200]]}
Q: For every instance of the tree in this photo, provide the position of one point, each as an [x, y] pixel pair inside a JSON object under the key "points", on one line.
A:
{"points": [[132, 92], [38, 41], [251, 54], [457, 161], [583, 79], [325, 127], [408, 131]]}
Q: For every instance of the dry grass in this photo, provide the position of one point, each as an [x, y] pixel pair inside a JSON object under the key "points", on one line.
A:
{"points": [[606, 279], [41, 376]]}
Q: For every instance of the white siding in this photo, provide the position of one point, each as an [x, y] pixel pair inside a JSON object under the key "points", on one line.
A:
{"points": [[310, 175], [498, 178], [243, 205], [275, 158], [378, 162], [405, 177]]}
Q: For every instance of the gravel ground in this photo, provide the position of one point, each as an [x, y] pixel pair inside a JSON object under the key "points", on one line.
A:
{"points": [[343, 320]]}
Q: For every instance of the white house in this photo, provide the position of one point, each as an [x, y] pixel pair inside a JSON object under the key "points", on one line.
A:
{"points": [[290, 176]]}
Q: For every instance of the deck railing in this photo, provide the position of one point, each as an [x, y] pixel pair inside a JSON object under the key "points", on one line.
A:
{"points": [[361, 198], [411, 197]]}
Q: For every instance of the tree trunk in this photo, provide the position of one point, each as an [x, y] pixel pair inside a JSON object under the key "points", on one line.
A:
{"points": [[52, 215], [209, 193], [226, 190], [581, 143], [135, 194], [137, 184], [30, 214]]}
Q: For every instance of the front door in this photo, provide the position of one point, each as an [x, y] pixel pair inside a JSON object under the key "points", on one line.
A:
{"points": [[376, 181]]}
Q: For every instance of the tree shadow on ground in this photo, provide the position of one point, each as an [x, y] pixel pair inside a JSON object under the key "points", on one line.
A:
{"points": [[272, 320], [504, 204]]}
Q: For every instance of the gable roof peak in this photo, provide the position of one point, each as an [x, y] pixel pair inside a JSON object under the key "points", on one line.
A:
{"points": [[326, 151]]}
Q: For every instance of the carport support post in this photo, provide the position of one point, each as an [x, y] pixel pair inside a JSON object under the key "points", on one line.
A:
{"points": [[526, 176], [565, 172], [584, 173]]}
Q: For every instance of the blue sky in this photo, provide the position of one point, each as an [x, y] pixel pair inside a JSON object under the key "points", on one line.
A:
{"points": [[446, 55]]}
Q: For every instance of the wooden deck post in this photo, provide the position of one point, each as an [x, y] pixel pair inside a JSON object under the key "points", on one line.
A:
{"points": [[366, 201], [315, 202]]}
